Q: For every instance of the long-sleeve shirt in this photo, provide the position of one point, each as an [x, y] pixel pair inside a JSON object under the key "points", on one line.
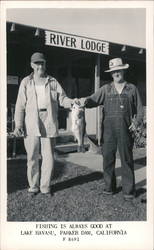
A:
{"points": [[134, 100], [26, 110]]}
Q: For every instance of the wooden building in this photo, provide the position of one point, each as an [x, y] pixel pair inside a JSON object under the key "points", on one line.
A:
{"points": [[77, 62]]}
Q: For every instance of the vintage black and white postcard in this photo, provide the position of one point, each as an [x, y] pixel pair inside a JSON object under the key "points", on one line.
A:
{"points": [[77, 125]]}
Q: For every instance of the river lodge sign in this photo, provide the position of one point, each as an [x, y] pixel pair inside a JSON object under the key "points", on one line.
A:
{"points": [[75, 42]]}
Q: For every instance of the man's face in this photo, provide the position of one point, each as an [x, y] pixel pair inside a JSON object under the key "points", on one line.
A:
{"points": [[118, 76], [39, 68]]}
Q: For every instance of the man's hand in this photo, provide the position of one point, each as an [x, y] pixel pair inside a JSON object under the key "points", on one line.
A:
{"points": [[77, 101], [80, 101], [18, 132]]}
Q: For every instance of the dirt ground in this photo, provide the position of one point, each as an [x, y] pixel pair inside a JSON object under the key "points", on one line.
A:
{"points": [[77, 187]]}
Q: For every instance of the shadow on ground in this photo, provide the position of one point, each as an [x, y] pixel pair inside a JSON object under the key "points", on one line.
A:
{"points": [[17, 176], [77, 196], [79, 180], [141, 161]]}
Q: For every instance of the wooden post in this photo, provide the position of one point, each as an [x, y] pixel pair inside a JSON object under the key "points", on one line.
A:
{"points": [[97, 86], [69, 77]]}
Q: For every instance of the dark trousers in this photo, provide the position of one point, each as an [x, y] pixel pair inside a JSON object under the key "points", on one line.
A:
{"points": [[117, 136]]}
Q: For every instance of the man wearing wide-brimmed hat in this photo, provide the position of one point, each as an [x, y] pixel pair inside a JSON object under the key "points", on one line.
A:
{"points": [[121, 103]]}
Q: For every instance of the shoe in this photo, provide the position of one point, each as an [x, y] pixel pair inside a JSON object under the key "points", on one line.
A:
{"points": [[32, 194], [128, 197], [47, 194], [107, 192], [33, 190]]}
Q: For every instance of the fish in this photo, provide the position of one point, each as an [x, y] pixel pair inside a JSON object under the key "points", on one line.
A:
{"points": [[78, 125]]}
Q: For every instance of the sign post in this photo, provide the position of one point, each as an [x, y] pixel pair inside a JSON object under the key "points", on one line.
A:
{"points": [[98, 110]]}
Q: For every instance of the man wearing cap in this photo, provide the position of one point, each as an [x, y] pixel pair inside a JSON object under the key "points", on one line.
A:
{"points": [[36, 118], [121, 103]]}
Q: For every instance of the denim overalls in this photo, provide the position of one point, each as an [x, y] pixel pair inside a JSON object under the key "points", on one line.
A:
{"points": [[117, 119]]}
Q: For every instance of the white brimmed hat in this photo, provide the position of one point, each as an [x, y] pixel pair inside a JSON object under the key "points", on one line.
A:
{"points": [[116, 64]]}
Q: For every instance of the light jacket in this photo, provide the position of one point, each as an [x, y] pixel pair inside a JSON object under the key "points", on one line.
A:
{"points": [[26, 109]]}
